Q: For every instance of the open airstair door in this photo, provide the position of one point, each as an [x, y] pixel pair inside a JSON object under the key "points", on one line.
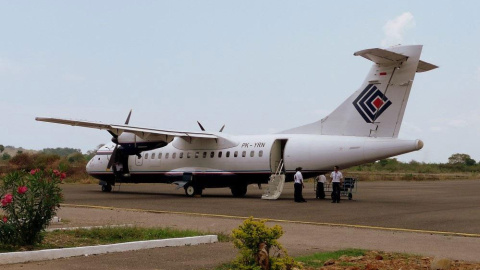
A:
{"points": [[277, 179]]}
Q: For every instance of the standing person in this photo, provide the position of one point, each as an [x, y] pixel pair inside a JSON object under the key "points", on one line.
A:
{"points": [[321, 179], [298, 185], [337, 178]]}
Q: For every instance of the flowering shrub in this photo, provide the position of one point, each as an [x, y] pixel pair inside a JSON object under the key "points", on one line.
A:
{"points": [[252, 235], [29, 201]]}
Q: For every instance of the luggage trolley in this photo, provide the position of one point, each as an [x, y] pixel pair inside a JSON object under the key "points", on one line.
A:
{"points": [[346, 190]]}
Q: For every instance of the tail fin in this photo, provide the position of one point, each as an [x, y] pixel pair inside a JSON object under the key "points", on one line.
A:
{"points": [[377, 108]]}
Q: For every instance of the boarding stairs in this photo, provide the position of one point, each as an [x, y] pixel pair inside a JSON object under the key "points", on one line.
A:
{"points": [[275, 184]]}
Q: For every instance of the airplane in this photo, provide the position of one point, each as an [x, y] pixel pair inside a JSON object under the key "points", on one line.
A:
{"points": [[364, 128]]}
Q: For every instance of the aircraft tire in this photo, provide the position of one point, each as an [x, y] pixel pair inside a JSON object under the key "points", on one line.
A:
{"points": [[239, 191], [107, 188], [191, 190]]}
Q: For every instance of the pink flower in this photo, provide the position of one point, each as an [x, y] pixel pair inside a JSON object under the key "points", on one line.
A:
{"points": [[56, 172], [7, 199], [63, 175], [34, 171], [5, 219], [22, 189]]}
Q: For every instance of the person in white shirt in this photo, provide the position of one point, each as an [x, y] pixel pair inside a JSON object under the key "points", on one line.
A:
{"points": [[298, 185], [321, 179], [337, 178]]}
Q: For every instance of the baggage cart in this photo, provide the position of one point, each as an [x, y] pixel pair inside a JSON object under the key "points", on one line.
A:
{"points": [[346, 190]]}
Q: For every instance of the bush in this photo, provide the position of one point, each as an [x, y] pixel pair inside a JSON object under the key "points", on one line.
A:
{"points": [[29, 201], [250, 236]]}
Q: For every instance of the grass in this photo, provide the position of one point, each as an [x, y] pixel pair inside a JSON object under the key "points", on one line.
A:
{"points": [[318, 259], [101, 236]]}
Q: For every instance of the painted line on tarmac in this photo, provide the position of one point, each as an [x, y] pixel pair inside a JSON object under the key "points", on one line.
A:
{"points": [[276, 220]]}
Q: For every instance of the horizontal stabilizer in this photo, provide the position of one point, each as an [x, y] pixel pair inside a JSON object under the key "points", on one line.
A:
{"points": [[388, 58], [382, 57], [424, 66]]}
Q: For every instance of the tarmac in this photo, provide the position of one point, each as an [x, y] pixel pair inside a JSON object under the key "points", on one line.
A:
{"points": [[426, 218]]}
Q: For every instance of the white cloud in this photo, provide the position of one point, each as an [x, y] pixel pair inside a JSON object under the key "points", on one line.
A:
{"points": [[395, 29]]}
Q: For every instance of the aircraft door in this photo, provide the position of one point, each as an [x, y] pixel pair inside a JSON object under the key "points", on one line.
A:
{"points": [[276, 154], [139, 160]]}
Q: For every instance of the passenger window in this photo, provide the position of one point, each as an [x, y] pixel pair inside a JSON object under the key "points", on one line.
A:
{"points": [[252, 153], [160, 155], [212, 154], [189, 155], [153, 155], [228, 153], [146, 155], [204, 154], [174, 155], [235, 154], [244, 153], [220, 154], [197, 154], [166, 156], [181, 155], [260, 154]]}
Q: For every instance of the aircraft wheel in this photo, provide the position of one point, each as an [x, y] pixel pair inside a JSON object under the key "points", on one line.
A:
{"points": [[191, 191], [107, 188], [239, 191]]}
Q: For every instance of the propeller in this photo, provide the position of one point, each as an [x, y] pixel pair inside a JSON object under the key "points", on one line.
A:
{"points": [[203, 129], [113, 157]]}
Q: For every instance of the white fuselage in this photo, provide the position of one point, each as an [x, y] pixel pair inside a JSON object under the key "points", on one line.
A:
{"points": [[255, 155]]}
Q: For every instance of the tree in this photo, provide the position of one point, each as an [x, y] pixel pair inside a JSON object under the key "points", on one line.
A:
{"points": [[2, 148], [6, 156], [459, 158]]}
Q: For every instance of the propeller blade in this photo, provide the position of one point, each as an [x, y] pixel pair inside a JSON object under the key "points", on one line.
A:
{"points": [[112, 158], [128, 118], [201, 127], [222, 128]]}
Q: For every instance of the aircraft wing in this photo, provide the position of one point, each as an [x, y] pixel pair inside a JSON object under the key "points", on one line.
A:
{"points": [[143, 133]]}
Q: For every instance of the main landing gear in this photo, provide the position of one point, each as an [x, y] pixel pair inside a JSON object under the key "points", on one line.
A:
{"points": [[239, 190], [106, 187]]}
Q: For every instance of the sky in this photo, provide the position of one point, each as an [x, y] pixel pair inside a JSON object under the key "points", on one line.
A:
{"points": [[256, 66]]}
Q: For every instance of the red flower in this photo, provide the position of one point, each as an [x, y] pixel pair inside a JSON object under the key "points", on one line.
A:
{"points": [[7, 199], [63, 175], [22, 189], [34, 171], [5, 219], [56, 172]]}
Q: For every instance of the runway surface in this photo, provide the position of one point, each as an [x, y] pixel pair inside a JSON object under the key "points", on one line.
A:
{"points": [[431, 206]]}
